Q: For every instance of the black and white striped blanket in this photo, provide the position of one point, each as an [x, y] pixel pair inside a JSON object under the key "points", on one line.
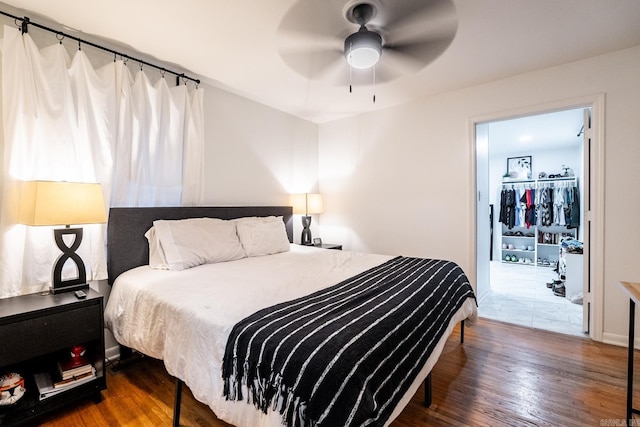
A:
{"points": [[345, 355]]}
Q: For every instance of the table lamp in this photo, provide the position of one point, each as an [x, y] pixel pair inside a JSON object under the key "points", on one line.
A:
{"points": [[306, 204], [63, 203]]}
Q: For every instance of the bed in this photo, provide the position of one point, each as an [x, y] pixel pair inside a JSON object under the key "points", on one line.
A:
{"points": [[189, 318]]}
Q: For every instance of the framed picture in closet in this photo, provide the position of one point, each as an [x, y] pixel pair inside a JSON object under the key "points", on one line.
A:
{"points": [[519, 167]]}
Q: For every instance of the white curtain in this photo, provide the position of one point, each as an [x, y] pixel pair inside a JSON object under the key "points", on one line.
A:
{"points": [[66, 121]]}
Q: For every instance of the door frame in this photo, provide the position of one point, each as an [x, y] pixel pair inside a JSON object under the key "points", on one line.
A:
{"points": [[593, 189]]}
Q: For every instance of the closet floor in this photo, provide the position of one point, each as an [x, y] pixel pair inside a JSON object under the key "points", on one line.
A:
{"points": [[519, 295]]}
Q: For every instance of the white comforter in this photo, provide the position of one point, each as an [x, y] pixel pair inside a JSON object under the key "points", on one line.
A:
{"points": [[184, 317]]}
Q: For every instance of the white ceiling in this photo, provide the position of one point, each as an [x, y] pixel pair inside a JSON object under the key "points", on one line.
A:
{"points": [[234, 44], [548, 131]]}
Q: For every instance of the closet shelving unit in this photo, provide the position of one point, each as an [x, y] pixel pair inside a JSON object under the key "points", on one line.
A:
{"points": [[536, 245]]}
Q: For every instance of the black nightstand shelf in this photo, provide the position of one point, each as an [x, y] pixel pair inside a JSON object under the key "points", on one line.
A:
{"points": [[328, 246], [36, 331]]}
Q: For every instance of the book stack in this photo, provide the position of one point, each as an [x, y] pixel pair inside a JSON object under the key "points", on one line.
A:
{"points": [[48, 387], [68, 373]]}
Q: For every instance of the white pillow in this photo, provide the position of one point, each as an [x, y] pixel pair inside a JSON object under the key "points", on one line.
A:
{"points": [[262, 235], [157, 259], [190, 242], [257, 218]]}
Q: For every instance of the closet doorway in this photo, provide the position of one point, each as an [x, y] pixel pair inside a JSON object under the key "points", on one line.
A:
{"points": [[531, 220]]}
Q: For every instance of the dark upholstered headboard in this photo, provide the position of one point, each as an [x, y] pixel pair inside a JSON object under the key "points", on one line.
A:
{"points": [[127, 247]]}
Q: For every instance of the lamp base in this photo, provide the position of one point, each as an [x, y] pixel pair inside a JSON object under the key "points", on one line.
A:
{"points": [[305, 239], [70, 288], [68, 253]]}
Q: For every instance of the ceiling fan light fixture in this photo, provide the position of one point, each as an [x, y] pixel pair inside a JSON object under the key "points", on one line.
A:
{"points": [[362, 49]]}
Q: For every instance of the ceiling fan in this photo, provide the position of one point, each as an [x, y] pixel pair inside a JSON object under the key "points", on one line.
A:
{"points": [[338, 42]]}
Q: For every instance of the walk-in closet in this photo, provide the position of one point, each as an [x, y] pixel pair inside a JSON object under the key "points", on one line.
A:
{"points": [[535, 202]]}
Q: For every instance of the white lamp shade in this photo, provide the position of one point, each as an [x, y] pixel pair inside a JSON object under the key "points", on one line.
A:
{"points": [[363, 58], [314, 204], [306, 203], [61, 203], [363, 49]]}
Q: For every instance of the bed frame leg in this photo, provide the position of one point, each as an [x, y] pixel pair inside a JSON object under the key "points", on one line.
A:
{"points": [[176, 403], [427, 391], [462, 332], [127, 358]]}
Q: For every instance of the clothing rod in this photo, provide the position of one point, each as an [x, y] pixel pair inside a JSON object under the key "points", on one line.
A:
{"points": [[540, 181], [562, 178], [26, 22], [524, 181], [521, 181]]}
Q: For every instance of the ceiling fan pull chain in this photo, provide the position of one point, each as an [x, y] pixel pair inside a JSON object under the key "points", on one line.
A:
{"points": [[350, 71], [374, 84]]}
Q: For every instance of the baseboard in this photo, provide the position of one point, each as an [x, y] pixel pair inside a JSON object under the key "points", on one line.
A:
{"points": [[481, 297], [112, 353], [619, 340]]}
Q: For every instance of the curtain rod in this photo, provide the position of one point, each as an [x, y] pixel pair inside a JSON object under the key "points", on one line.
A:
{"points": [[26, 22]]}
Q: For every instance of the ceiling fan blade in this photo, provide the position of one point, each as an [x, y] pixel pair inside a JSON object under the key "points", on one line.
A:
{"points": [[413, 57], [289, 39], [336, 73], [400, 62], [310, 39], [389, 70], [316, 64], [408, 13], [419, 21], [314, 19]]}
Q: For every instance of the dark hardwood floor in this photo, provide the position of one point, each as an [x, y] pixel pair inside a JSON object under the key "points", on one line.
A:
{"points": [[503, 375]]}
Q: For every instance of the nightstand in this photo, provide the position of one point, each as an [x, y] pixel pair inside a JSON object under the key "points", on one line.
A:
{"points": [[328, 246], [37, 331]]}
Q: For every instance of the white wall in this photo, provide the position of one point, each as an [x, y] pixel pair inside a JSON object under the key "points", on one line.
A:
{"points": [[399, 181], [255, 154]]}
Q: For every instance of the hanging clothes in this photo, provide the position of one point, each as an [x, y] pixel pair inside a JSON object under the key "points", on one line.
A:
{"points": [[522, 210], [530, 214], [508, 207], [546, 207], [538, 207], [521, 197], [574, 208], [558, 206], [503, 207]]}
